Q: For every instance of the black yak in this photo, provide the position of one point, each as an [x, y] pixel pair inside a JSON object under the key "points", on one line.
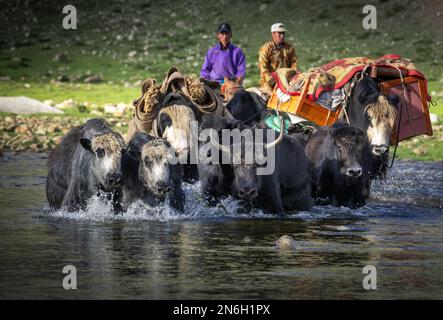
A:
{"points": [[283, 183], [246, 106], [215, 177], [87, 160], [374, 113], [149, 173], [339, 160]]}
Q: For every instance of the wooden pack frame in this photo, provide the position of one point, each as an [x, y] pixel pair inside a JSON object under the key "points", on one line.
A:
{"points": [[415, 118], [301, 106]]}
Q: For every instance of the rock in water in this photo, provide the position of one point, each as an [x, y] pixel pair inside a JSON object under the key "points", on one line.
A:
{"points": [[25, 105], [286, 243]]}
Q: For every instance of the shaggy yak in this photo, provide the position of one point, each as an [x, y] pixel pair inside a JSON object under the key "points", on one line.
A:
{"points": [[246, 107], [86, 161], [173, 123], [148, 173], [287, 187], [374, 113], [339, 161], [215, 178]]}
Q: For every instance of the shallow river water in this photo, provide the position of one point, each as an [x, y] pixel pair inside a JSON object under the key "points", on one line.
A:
{"points": [[217, 253]]}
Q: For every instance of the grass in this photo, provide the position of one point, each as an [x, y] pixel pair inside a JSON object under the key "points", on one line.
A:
{"points": [[166, 33], [80, 92]]}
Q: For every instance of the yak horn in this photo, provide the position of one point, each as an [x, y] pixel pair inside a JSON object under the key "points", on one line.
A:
{"points": [[216, 144], [280, 137]]}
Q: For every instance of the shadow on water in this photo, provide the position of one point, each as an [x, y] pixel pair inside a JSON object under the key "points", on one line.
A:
{"points": [[217, 253]]}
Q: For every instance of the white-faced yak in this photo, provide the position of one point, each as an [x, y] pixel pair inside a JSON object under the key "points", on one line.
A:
{"points": [[339, 161], [173, 123], [374, 113], [148, 172], [86, 161]]}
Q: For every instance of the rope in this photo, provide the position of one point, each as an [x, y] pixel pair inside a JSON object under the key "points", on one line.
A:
{"points": [[401, 111], [398, 137], [347, 97]]}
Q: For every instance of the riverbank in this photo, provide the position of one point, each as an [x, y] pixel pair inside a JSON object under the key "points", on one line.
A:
{"points": [[42, 132]]}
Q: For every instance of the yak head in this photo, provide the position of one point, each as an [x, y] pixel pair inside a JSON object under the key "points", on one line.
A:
{"points": [[246, 157], [107, 151], [350, 150], [154, 165], [374, 113], [173, 124], [213, 174], [380, 119]]}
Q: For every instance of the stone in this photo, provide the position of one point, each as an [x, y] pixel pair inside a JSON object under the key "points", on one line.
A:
{"points": [[434, 118], [110, 108], [49, 102], [93, 79], [286, 243], [51, 128], [96, 113], [23, 128], [57, 140], [419, 151], [61, 57], [66, 104], [180, 24], [9, 120], [25, 105], [63, 78], [121, 107]]}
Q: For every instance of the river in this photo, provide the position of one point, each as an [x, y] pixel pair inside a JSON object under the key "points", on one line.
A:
{"points": [[217, 253]]}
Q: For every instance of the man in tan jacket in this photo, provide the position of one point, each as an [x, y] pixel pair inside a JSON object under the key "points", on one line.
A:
{"points": [[274, 55]]}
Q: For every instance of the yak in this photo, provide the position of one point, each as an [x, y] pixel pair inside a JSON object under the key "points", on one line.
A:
{"points": [[86, 161], [374, 113], [173, 123], [339, 161], [149, 173], [246, 107], [215, 177], [285, 188]]}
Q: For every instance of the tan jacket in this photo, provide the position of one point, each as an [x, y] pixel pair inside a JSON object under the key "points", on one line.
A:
{"points": [[270, 58]]}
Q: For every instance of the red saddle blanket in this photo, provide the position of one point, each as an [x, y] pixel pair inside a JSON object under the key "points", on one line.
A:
{"points": [[335, 74]]}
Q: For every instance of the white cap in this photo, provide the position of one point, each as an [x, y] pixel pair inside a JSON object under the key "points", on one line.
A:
{"points": [[278, 27]]}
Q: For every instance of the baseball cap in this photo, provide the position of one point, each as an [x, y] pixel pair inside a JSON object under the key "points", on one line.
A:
{"points": [[278, 27], [224, 27]]}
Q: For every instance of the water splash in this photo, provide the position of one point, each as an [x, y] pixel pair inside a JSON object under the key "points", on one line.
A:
{"points": [[407, 191]]}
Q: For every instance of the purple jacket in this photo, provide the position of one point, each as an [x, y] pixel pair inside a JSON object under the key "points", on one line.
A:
{"points": [[223, 63]]}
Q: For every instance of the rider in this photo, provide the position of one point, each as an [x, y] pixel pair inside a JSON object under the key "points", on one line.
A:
{"points": [[273, 55], [224, 59]]}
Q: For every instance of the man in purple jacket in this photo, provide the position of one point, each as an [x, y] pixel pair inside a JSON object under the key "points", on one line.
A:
{"points": [[224, 59]]}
